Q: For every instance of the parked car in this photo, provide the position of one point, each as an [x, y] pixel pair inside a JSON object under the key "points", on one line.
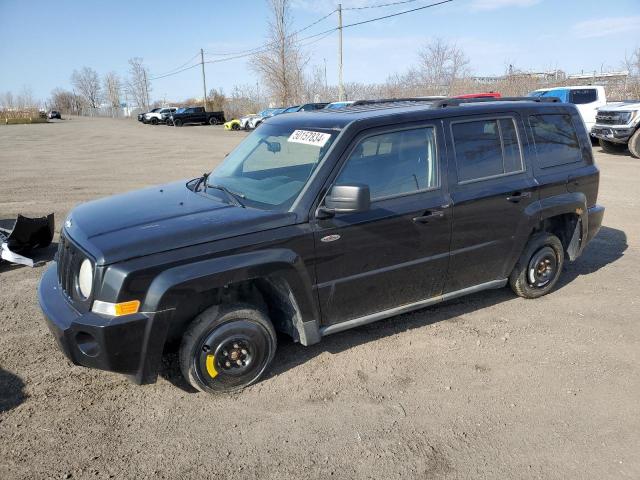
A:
{"points": [[318, 223], [160, 116], [307, 107], [254, 121], [587, 98], [142, 114], [191, 115], [54, 114], [338, 105], [232, 124], [618, 126]]}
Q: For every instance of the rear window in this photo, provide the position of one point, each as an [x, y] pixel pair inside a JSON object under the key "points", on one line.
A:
{"points": [[584, 95], [486, 148], [555, 140]]}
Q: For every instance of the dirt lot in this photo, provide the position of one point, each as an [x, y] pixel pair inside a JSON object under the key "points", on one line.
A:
{"points": [[489, 386]]}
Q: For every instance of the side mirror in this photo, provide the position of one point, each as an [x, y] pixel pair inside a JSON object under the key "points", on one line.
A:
{"points": [[345, 199]]}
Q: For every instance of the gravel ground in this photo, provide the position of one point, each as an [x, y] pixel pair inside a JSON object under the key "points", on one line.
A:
{"points": [[488, 386]]}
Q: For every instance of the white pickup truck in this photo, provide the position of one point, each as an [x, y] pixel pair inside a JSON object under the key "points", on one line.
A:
{"points": [[588, 98], [618, 126], [159, 116]]}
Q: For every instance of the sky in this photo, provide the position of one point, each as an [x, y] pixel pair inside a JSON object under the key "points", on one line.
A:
{"points": [[43, 41]]}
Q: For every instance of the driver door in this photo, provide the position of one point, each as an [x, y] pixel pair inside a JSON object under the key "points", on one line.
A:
{"points": [[395, 253]]}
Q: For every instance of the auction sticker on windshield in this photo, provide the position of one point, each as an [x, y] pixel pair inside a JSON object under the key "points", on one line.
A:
{"points": [[308, 137]]}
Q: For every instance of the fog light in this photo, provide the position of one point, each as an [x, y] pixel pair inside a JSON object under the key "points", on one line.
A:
{"points": [[116, 309], [87, 344]]}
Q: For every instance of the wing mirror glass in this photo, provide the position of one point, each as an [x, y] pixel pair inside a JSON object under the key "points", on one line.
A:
{"points": [[345, 199]]}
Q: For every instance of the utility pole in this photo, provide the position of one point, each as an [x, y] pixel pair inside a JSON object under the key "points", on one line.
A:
{"points": [[146, 87], [340, 85], [204, 81], [326, 87]]}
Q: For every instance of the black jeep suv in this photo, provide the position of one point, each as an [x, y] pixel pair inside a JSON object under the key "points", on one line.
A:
{"points": [[319, 222]]}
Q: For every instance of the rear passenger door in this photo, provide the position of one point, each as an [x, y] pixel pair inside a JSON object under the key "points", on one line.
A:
{"points": [[396, 253], [491, 185]]}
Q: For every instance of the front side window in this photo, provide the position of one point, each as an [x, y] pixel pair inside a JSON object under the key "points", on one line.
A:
{"points": [[583, 95], [394, 163], [486, 148], [272, 165], [555, 140]]}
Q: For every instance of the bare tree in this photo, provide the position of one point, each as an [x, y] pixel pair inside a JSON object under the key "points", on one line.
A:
{"points": [[139, 83], [113, 90], [282, 63], [441, 65], [216, 100], [7, 101], [87, 83]]}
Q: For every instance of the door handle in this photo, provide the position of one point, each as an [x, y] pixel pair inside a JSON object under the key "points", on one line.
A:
{"points": [[429, 216], [517, 196]]}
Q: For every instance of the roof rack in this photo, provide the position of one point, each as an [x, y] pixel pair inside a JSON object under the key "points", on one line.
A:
{"points": [[454, 102], [357, 103]]}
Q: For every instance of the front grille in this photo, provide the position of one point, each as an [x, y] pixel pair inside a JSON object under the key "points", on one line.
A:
{"points": [[69, 259], [615, 118]]}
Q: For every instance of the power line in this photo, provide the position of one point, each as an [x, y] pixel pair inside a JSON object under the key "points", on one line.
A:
{"points": [[396, 14], [291, 35], [318, 36], [178, 68], [379, 5]]}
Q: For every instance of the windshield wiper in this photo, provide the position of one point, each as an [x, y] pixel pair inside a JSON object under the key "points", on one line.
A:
{"points": [[233, 196]]}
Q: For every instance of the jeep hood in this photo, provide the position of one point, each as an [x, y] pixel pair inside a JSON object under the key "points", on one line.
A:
{"points": [[159, 219], [620, 107]]}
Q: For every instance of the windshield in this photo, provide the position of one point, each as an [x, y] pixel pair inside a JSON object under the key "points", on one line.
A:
{"points": [[270, 167], [292, 109], [180, 110]]}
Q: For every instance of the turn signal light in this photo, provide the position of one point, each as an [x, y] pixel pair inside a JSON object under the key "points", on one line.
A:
{"points": [[116, 309]]}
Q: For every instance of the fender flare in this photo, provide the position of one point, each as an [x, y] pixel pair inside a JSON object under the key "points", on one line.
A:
{"points": [[285, 265], [570, 202]]}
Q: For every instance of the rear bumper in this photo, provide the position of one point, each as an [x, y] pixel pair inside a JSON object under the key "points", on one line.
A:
{"points": [[130, 344], [612, 134], [594, 221]]}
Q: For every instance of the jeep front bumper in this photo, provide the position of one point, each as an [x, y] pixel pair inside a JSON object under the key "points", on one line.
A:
{"points": [[131, 344], [612, 134]]}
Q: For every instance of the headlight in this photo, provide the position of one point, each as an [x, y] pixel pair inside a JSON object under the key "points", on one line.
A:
{"points": [[85, 278]]}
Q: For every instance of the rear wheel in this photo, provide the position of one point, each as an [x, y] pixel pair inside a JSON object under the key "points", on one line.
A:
{"points": [[610, 147], [213, 121], [634, 144], [235, 126], [539, 266], [227, 348]]}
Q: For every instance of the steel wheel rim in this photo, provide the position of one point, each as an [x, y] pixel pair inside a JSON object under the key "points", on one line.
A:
{"points": [[542, 268]]}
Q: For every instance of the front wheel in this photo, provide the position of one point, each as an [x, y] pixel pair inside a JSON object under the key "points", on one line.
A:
{"points": [[634, 144], [154, 121], [539, 266], [227, 348], [177, 123], [610, 147]]}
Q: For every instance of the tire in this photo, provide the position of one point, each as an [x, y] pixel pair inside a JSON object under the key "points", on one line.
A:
{"points": [[235, 126], [222, 336], [213, 121], [539, 267], [610, 147], [177, 123], [634, 144], [154, 121]]}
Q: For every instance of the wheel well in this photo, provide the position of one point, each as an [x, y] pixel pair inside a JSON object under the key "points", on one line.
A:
{"points": [[271, 295], [562, 226]]}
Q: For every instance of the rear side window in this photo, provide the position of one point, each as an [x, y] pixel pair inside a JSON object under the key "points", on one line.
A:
{"points": [[486, 148], [584, 95], [396, 163], [555, 140]]}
